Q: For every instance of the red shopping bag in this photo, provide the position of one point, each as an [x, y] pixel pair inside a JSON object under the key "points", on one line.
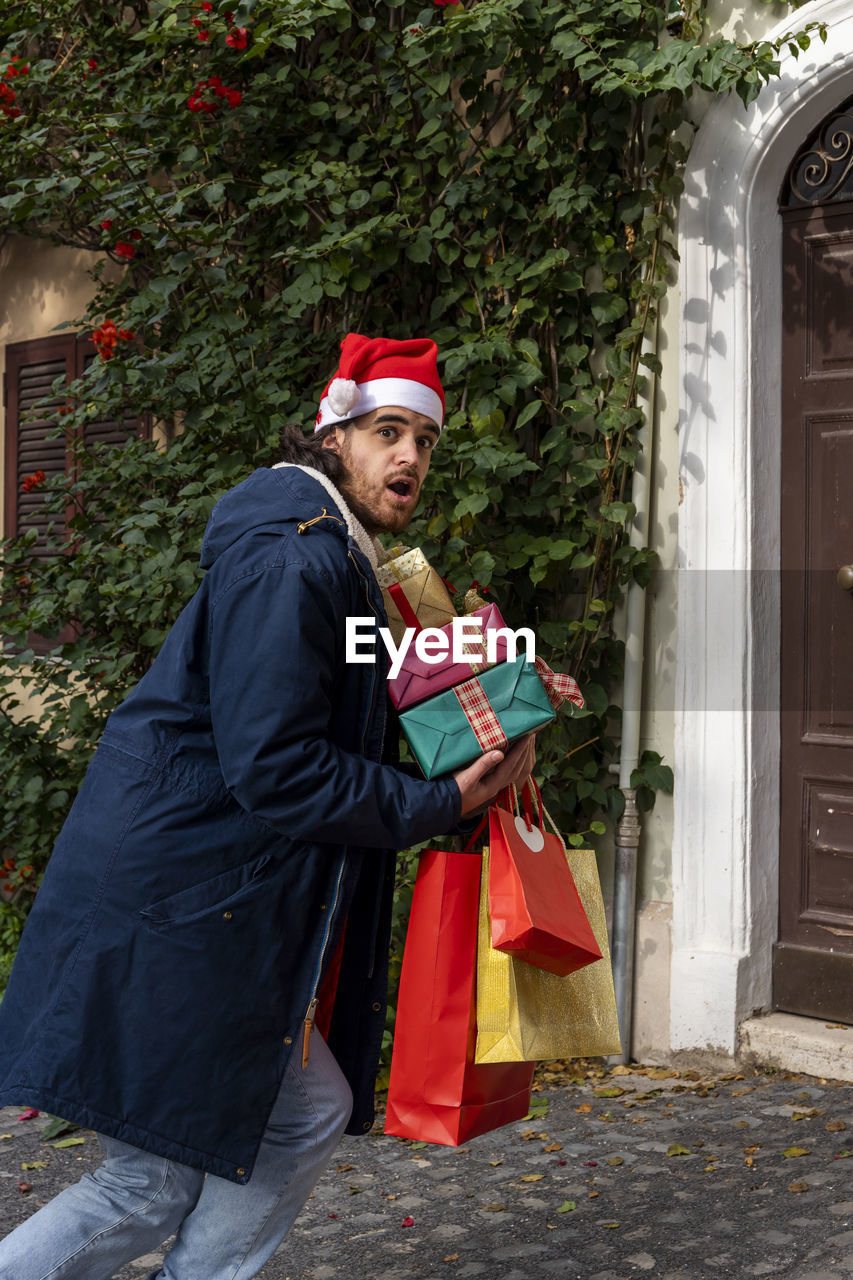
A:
{"points": [[436, 1092], [535, 909]]}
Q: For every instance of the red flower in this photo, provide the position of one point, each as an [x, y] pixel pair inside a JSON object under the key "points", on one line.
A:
{"points": [[229, 17], [125, 250], [235, 97], [35, 481], [408, 1222], [126, 335], [136, 234], [203, 36], [197, 21], [237, 39], [441, 3], [207, 6], [106, 224], [92, 63]]}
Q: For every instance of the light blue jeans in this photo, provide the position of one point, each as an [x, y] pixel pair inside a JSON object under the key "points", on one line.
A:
{"points": [[225, 1231]]}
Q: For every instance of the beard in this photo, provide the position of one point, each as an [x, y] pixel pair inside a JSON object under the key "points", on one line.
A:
{"points": [[370, 504]]}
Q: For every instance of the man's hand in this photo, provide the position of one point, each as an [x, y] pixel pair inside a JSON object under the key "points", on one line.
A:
{"points": [[482, 780]]}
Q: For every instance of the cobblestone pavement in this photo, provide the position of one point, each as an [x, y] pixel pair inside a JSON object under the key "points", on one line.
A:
{"points": [[615, 1174]]}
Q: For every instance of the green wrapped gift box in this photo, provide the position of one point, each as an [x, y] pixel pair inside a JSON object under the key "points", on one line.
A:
{"points": [[440, 732]]}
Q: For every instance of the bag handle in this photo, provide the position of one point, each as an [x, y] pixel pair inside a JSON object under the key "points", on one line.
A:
{"points": [[473, 838], [531, 785]]}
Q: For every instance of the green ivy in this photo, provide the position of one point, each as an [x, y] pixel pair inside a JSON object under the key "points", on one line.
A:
{"points": [[499, 174]]}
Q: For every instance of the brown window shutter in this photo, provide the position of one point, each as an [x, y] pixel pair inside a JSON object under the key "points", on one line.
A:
{"points": [[32, 443]]}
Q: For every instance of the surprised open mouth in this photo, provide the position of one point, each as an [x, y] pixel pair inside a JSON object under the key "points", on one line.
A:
{"points": [[403, 488]]}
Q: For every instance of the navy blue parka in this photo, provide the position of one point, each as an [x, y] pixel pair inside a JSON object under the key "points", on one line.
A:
{"points": [[235, 814]]}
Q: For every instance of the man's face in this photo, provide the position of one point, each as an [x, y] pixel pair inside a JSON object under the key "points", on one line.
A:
{"points": [[386, 454]]}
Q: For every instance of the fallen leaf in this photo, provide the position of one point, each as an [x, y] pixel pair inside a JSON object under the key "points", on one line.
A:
{"points": [[495, 1163], [407, 1222], [807, 1115], [452, 1257], [741, 1124], [5, 1135], [417, 1146], [29, 1114], [610, 1225], [615, 1160], [798, 1186], [583, 1110], [621, 1070], [355, 1191], [837, 1026], [533, 1177], [612, 1092], [567, 1206], [345, 1168], [494, 1208], [791, 1153], [555, 1146], [68, 1142], [333, 1215], [676, 1149], [24, 1187], [528, 1134], [592, 1195], [740, 1093], [35, 1164], [842, 1155], [710, 1168], [831, 1126], [56, 1127], [747, 1151], [749, 1162]]}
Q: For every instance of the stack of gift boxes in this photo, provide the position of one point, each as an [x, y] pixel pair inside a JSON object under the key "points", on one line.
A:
{"points": [[469, 698]]}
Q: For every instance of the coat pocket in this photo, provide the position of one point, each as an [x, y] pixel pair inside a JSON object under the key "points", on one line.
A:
{"points": [[221, 894]]}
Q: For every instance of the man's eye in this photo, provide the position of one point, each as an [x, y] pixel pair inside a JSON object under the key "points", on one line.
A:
{"points": [[426, 442]]}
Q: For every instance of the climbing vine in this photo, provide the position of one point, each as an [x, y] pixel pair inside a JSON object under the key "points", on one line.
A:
{"points": [[257, 180]]}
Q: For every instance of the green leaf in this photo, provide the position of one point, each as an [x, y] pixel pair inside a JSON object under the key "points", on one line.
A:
{"points": [[568, 1206]]}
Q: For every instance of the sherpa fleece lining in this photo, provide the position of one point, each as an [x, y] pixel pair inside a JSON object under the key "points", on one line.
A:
{"points": [[371, 547]]}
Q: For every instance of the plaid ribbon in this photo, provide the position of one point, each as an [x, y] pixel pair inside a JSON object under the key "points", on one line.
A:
{"points": [[480, 715], [559, 688]]}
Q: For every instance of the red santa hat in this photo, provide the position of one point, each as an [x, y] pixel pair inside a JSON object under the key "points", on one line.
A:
{"points": [[377, 372]]}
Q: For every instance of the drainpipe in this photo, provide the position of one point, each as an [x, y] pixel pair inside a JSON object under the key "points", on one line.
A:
{"points": [[628, 829]]}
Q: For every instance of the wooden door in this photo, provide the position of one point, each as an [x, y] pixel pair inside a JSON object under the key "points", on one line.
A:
{"points": [[813, 959]]}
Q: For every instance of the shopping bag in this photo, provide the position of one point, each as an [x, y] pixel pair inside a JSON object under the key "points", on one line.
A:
{"points": [[436, 1093], [534, 906], [524, 1013]]}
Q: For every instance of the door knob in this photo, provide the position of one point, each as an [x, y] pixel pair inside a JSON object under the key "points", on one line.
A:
{"points": [[845, 577]]}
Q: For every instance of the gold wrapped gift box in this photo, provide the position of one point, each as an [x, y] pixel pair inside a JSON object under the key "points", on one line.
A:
{"points": [[423, 589]]}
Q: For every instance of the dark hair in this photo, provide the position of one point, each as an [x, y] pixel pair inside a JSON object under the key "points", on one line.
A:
{"points": [[308, 451]]}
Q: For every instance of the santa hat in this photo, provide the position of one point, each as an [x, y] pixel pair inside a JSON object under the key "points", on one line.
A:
{"points": [[377, 372]]}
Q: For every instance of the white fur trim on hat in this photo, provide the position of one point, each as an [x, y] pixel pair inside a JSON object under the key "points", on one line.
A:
{"points": [[380, 393]]}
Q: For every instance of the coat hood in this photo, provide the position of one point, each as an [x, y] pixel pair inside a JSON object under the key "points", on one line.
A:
{"points": [[279, 496]]}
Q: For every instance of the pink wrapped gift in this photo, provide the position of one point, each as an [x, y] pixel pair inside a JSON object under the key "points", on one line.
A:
{"points": [[418, 679]]}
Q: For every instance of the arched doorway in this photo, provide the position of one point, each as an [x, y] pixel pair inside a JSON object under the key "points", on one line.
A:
{"points": [[726, 826], [813, 958]]}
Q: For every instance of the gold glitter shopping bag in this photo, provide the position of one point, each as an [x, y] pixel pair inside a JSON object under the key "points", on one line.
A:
{"points": [[526, 1014]]}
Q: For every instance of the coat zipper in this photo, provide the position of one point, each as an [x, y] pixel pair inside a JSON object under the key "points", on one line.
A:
{"points": [[311, 1011]]}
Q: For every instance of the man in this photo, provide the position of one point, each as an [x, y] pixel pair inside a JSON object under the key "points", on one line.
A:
{"points": [[225, 876]]}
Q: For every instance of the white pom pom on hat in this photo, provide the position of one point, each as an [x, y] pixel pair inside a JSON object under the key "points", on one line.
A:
{"points": [[343, 395], [376, 373]]}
